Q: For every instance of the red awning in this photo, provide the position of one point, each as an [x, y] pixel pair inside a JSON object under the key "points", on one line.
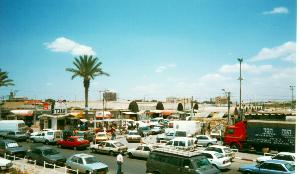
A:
{"points": [[22, 112]]}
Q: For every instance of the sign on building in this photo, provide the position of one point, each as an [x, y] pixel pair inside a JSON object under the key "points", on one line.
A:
{"points": [[60, 108]]}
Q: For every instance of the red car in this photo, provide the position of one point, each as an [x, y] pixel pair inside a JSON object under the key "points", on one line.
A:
{"points": [[73, 142]]}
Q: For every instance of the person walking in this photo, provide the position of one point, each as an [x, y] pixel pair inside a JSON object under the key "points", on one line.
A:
{"points": [[119, 162]]}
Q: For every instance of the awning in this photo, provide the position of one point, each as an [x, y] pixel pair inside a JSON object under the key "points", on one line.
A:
{"points": [[168, 112], [83, 120], [204, 114], [22, 112], [107, 114], [55, 116], [129, 113]]}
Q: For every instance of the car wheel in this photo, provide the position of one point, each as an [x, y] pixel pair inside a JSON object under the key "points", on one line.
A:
{"points": [[59, 145], [111, 153], [209, 144], [130, 155], [29, 160], [87, 172], [75, 148]]}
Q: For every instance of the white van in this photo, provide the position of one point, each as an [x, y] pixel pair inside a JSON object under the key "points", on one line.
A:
{"points": [[12, 125], [47, 137], [181, 143]]}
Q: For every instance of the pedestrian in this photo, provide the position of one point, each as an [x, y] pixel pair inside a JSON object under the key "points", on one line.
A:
{"points": [[119, 162]]}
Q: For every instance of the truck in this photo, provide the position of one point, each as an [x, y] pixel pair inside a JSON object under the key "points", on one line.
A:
{"points": [[261, 135], [169, 135], [12, 125], [191, 127]]}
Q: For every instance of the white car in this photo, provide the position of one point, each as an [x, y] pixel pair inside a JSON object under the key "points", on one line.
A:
{"points": [[217, 159], [5, 163], [47, 137], [285, 156], [205, 140], [133, 136], [226, 151], [141, 151], [110, 147]]}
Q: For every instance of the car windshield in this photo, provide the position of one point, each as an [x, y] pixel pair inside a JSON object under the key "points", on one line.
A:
{"points": [[133, 133], [290, 167], [50, 152], [80, 139], [227, 150], [10, 145], [100, 135], [118, 144], [200, 162], [219, 155], [91, 160]]}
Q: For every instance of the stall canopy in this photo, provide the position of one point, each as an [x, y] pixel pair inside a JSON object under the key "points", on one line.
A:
{"points": [[22, 112], [107, 114]]}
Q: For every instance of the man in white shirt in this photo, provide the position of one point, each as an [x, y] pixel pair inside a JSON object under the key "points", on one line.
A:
{"points": [[119, 162]]}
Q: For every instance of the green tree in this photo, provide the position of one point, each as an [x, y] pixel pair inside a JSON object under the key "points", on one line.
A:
{"points": [[86, 67], [160, 106], [195, 106], [52, 103], [133, 106], [4, 80], [180, 107]]}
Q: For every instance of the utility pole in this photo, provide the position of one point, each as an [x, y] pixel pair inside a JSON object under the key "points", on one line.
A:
{"points": [[240, 78], [227, 94], [292, 92]]}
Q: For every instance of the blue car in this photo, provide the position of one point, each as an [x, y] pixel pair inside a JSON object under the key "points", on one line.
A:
{"points": [[270, 166]]}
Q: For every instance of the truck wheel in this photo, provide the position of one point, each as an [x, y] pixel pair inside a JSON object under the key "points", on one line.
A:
{"points": [[234, 146], [47, 142]]}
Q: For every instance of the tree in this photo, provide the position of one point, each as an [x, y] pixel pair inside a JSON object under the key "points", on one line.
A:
{"points": [[87, 67], [52, 103], [236, 111], [195, 107], [133, 106], [4, 80], [160, 106], [180, 107]]}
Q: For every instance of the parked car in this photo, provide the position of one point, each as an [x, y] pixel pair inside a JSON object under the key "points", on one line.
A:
{"points": [[181, 142], [270, 166], [85, 135], [171, 135], [101, 136], [226, 151], [205, 140], [143, 131], [156, 130], [47, 154], [16, 135], [217, 159], [12, 125], [285, 156], [176, 161], [5, 164], [110, 147], [141, 151], [133, 136], [86, 163], [11, 147], [73, 142], [47, 136]]}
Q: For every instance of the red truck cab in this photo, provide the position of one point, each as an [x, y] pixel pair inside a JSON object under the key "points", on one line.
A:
{"points": [[235, 135]]}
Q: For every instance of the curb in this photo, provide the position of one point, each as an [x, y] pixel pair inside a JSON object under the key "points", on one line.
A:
{"points": [[245, 159]]}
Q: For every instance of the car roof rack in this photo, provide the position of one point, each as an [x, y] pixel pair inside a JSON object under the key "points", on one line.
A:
{"points": [[181, 152]]}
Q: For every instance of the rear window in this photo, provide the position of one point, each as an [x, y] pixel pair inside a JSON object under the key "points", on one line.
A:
{"points": [[49, 133], [290, 167], [201, 162]]}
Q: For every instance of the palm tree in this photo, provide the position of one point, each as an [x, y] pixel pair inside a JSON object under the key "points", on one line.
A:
{"points": [[87, 67], [4, 81]]}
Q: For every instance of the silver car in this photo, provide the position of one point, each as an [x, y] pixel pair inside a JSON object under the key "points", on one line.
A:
{"points": [[205, 140], [86, 163]]}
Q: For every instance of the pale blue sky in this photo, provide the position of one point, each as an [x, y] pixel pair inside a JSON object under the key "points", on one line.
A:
{"points": [[151, 48]]}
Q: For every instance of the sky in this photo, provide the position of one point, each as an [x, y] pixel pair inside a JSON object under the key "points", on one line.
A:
{"points": [[152, 49]]}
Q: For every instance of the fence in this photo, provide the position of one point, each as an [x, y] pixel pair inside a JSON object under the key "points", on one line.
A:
{"points": [[34, 169]]}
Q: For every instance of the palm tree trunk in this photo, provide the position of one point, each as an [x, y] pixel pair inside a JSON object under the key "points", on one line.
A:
{"points": [[86, 87]]}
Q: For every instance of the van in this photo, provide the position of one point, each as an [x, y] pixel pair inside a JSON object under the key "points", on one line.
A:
{"points": [[174, 161], [12, 125], [181, 143], [47, 137]]}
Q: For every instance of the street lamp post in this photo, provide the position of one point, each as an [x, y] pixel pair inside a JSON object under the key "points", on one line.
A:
{"points": [[292, 100], [240, 78], [227, 94]]}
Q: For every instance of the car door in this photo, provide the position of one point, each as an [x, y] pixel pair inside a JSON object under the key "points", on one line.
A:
{"points": [[74, 163], [138, 152], [81, 165], [146, 151], [272, 168], [37, 155], [102, 147]]}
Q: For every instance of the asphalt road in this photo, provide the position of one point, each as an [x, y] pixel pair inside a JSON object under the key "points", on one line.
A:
{"points": [[135, 166]]}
